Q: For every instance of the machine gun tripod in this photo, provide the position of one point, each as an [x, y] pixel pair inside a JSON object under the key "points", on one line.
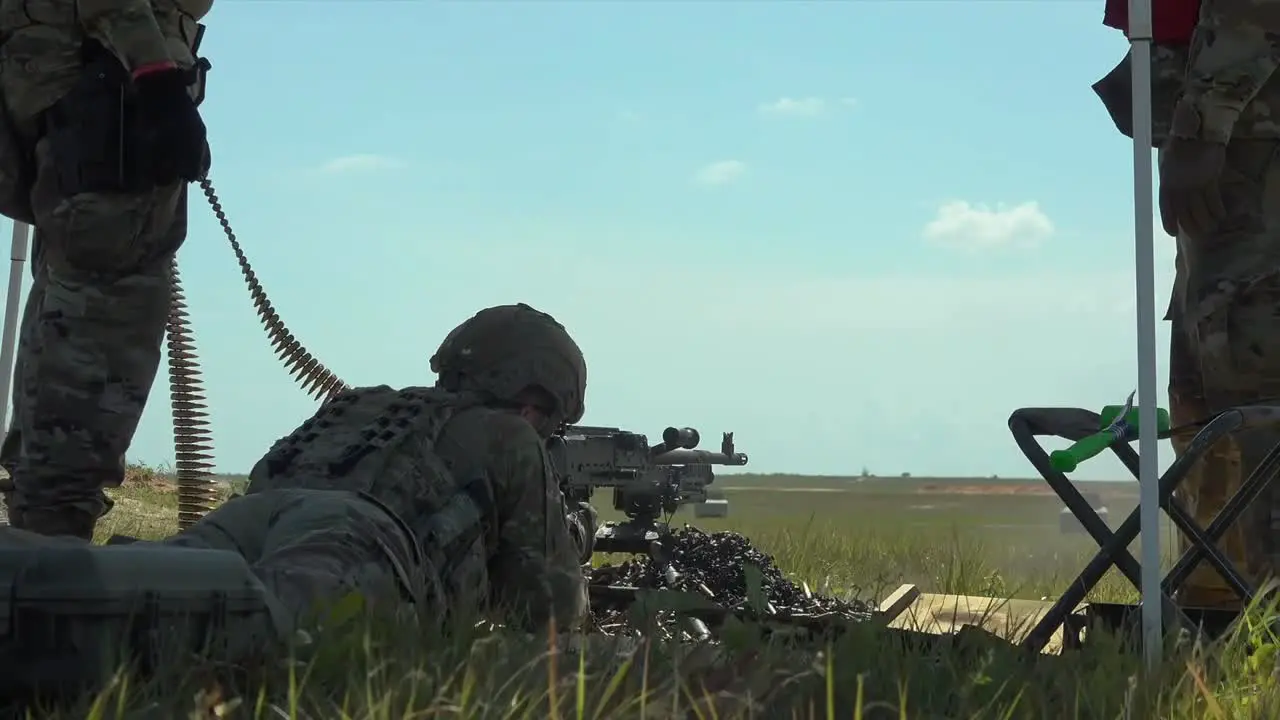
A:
{"points": [[649, 483]]}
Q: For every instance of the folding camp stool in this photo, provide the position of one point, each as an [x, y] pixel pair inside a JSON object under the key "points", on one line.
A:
{"points": [[1074, 424]]}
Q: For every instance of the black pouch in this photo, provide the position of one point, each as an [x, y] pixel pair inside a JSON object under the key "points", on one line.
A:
{"points": [[88, 130]]}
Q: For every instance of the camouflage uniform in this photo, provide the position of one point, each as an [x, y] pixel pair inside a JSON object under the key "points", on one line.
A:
{"points": [[90, 341], [443, 497], [1225, 306]]}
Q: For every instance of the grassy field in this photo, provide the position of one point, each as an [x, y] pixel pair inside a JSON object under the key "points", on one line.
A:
{"points": [[843, 536]]}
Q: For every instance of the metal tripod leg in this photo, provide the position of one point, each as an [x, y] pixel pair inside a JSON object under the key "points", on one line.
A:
{"points": [[1261, 477], [1097, 529], [1107, 557], [1206, 546], [1187, 524], [1115, 547]]}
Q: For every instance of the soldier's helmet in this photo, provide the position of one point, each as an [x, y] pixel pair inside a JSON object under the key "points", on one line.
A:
{"points": [[503, 350]]}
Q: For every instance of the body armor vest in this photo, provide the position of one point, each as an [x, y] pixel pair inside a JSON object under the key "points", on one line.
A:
{"points": [[379, 442]]}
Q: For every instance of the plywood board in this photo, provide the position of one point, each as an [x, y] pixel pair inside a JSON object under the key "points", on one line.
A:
{"points": [[898, 601], [945, 614]]}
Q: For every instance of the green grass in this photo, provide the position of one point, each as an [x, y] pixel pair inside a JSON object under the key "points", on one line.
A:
{"points": [[859, 538]]}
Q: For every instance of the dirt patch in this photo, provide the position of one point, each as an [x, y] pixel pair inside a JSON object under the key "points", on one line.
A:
{"points": [[994, 489], [138, 510], [140, 476]]}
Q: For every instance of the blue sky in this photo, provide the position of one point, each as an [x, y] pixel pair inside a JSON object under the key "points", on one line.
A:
{"points": [[857, 234]]}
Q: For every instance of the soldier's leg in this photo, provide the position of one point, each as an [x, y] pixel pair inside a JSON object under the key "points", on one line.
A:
{"points": [[99, 332], [314, 547], [239, 525], [1205, 490], [1212, 480], [10, 449], [326, 545], [1236, 339], [1245, 370]]}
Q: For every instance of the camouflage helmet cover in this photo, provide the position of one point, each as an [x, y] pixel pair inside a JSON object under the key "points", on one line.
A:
{"points": [[503, 350]]}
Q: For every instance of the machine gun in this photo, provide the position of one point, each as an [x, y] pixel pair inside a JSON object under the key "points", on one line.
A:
{"points": [[647, 482]]}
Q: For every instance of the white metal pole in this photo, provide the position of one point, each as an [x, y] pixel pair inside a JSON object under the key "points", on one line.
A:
{"points": [[18, 258], [1144, 252]]}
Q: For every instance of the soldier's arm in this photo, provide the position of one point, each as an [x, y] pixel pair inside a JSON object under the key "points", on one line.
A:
{"points": [[535, 572], [1235, 51], [128, 29]]}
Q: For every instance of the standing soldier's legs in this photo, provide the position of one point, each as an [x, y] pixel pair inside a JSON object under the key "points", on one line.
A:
{"points": [[10, 450], [1211, 481], [1243, 367], [1233, 320], [93, 347]]}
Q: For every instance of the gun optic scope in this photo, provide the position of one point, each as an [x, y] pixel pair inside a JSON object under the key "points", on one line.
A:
{"points": [[675, 438]]}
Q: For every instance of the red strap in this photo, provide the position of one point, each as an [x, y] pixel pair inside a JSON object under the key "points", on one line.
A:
{"points": [[1172, 21], [153, 67]]}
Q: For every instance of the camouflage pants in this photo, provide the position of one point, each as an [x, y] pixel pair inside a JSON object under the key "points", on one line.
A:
{"points": [[314, 547], [89, 346], [1209, 483], [1226, 352]]}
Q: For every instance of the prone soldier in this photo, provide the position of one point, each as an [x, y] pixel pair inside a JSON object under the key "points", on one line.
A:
{"points": [[443, 497], [99, 136]]}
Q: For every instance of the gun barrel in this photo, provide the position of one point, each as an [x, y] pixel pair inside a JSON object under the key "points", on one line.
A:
{"points": [[699, 457]]}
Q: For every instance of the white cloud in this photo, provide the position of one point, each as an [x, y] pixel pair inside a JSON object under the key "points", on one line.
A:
{"points": [[721, 172], [961, 225], [795, 107], [360, 162]]}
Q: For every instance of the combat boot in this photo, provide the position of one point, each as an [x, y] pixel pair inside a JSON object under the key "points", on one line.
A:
{"points": [[52, 523]]}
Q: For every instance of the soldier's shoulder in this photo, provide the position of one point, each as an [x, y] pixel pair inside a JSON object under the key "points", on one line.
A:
{"points": [[504, 429], [502, 437]]}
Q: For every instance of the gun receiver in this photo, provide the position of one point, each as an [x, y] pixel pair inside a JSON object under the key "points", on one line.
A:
{"points": [[647, 481]]}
